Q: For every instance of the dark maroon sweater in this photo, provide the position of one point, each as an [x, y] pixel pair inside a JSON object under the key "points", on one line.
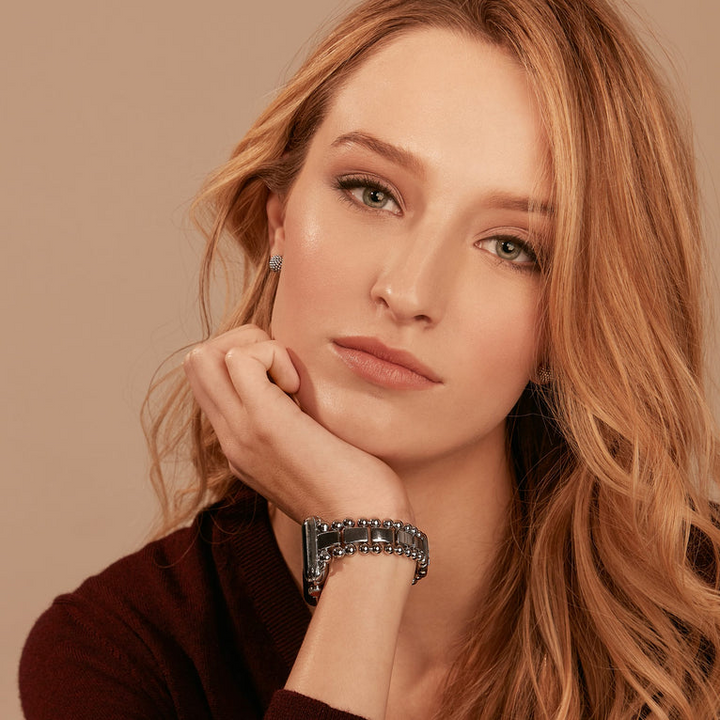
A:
{"points": [[203, 624]]}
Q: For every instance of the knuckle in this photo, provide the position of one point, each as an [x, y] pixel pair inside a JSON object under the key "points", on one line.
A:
{"points": [[234, 356], [194, 357], [246, 332], [254, 334]]}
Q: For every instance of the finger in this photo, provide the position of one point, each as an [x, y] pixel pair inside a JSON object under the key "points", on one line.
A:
{"points": [[210, 383], [250, 366], [219, 401], [205, 367], [237, 337]]}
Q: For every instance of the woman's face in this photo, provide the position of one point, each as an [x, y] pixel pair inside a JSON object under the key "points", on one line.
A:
{"points": [[409, 295]]}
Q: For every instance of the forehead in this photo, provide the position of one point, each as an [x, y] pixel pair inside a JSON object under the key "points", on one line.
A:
{"points": [[454, 101]]}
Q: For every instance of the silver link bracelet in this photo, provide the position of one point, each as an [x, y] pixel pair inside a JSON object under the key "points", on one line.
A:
{"points": [[323, 541]]}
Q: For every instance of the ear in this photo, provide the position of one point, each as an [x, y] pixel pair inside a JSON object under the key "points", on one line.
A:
{"points": [[275, 209]]}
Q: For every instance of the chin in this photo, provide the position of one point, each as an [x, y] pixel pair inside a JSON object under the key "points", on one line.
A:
{"points": [[397, 444], [372, 432]]}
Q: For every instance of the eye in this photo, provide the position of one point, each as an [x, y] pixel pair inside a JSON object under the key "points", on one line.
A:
{"points": [[510, 249], [373, 197], [369, 192]]}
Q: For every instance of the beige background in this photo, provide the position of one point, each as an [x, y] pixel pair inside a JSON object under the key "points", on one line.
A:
{"points": [[112, 114]]}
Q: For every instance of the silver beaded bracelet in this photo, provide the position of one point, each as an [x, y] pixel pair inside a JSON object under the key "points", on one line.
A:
{"points": [[324, 541]]}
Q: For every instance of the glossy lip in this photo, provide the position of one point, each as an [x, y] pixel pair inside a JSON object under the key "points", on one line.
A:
{"points": [[381, 365]]}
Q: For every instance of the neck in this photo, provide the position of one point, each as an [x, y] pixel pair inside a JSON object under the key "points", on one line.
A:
{"points": [[462, 503]]}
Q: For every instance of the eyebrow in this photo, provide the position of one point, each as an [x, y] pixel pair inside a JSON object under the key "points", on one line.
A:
{"points": [[396, 154], [509, 201], [500, 199]]}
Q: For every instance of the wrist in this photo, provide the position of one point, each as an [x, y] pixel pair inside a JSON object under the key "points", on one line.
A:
{"points": [[367, 492], [347, 655]]}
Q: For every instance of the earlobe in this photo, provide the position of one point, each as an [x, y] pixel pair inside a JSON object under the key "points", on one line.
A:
{"points": [[276, 218]]}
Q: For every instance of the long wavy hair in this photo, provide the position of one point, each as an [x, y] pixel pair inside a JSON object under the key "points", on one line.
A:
{"points": [[605, 597]]}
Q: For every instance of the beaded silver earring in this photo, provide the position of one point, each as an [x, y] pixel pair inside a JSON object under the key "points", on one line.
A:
{"points": [[275, 263], [544, 375]]}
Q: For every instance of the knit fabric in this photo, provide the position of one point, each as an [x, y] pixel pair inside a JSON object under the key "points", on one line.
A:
{"points": [[204, 624]]}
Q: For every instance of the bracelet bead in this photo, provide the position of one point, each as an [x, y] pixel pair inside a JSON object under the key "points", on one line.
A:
{"points": [[323, 542]]}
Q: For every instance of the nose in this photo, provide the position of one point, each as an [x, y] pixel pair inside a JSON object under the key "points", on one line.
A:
{"points": [[415, 280]]}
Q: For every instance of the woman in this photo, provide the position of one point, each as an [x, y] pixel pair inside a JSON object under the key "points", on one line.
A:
{"points": [[473, 307]]}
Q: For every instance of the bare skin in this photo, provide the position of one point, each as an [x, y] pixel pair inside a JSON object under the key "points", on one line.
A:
{"points": [[422, 242]]}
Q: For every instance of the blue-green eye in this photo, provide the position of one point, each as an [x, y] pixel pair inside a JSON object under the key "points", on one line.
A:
{"points": [[510, 249], [373, 197], [368, 192]]}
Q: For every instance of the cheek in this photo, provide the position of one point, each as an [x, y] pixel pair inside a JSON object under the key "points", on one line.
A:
{"points": [[512, 339], [505, 320], [502, 341], [311, 280]]}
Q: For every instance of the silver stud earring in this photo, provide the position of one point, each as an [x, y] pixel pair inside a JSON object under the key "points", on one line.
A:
{"points": [[544, 375], [275, 263]]}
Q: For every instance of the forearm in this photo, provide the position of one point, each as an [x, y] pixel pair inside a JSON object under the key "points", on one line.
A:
{"points": [[347, 656]]}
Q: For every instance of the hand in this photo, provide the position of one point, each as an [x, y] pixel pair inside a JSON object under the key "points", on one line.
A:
{"points": [[241, 380]]}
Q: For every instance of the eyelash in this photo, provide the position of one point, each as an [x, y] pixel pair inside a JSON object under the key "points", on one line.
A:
{"points": [[355, 182]]}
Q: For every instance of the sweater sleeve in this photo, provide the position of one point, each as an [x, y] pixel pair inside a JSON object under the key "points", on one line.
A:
{"points": [[289, 705], [71, 669]]}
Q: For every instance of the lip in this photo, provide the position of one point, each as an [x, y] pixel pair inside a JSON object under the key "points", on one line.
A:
{"points": [[381, 365]]}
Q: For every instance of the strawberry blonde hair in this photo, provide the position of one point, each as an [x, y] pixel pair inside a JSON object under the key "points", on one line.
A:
{"points": [[604, 601]]}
